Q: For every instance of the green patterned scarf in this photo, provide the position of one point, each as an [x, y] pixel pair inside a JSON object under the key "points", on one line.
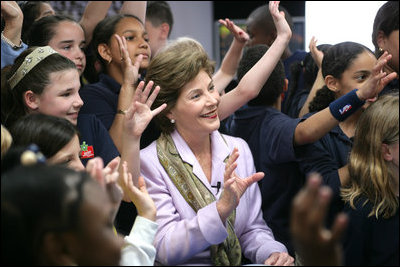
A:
{"points": [[197, 196]]}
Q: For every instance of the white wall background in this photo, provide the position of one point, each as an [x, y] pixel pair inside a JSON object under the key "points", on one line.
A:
{"points": [[332, 22], [194, 19]]}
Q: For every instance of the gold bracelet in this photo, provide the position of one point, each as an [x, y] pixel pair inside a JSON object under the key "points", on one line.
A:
{"points": [[120, 111]]}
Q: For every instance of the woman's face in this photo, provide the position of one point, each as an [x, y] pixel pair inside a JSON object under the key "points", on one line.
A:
{"points": [[69, 41], [357, 73], [69, 155], [96, 244], [196, 110], [61, 98], [136, 38]]}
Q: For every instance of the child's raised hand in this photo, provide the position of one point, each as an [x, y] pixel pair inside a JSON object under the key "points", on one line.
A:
{"points": [[282, 27], [107, 177], [138, 195], [130, 71], [377, 80], [139, 114], [316, 54], [240, 35], [316, 245]]}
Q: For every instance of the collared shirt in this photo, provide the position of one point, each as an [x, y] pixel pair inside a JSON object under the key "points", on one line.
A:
{"points": [[370, 241], [93, 133], [101, 99], [139, 249], [8, 54], [326, 156], [184, 236]]}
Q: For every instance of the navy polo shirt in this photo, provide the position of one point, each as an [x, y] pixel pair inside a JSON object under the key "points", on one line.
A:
{"points": [[94, 134], [369, 241], [298, 55], [101, 99], [326, 156], [269, 134]]}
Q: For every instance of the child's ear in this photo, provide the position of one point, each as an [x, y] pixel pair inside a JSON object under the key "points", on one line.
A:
{"points": [[285, 85], [104, 52], [164, 30], [332, 83], [387, 152], [285, 88], [31, 100], [170, 116], [380, 40]]}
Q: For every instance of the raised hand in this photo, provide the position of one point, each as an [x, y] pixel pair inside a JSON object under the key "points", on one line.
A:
{"points": [[130, 71], [107, 177], [282, 27], [316, 54], [10, 10], [13, 18], [378, 79], [314, 244], [240, 35], [139, 114], [139, 195], [234, 186]]}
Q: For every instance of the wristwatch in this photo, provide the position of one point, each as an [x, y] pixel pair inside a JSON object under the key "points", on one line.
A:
{"points": [[14, 46]]}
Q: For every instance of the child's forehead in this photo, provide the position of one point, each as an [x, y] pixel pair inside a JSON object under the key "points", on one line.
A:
{"points": [[129, 22]]}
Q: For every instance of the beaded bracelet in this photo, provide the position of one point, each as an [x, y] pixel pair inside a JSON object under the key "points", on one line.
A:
{"points": [[8, 41]]}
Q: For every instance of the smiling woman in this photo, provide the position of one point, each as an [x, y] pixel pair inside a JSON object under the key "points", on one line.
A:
{"points": [[186, 165]]}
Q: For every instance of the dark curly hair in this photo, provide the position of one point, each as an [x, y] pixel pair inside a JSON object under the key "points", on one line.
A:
{"points": [[336, 61]]}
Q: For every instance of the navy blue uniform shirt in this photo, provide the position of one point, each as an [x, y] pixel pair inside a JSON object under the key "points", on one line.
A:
{"points": [[269, 134], [327, 156], [369, 241]]}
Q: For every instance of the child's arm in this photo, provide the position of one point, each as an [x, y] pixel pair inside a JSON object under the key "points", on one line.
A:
{"points": [[94, 12], [319, 81], [230, 63], [319, 124], [136, 8], [251, 84]]}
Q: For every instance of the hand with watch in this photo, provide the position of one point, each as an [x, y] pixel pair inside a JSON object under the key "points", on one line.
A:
{"points": [[13, 19]]}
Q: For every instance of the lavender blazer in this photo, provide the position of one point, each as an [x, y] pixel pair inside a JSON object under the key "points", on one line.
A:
{"points": [[184, 236]]}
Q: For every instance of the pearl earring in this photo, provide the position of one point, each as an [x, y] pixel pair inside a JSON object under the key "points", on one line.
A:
{"points": [[172, 121]]}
